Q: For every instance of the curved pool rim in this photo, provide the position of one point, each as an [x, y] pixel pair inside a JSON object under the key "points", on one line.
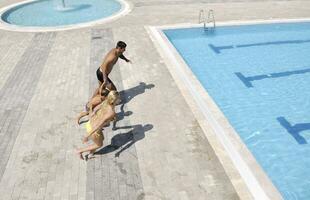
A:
{"points": [[125, 9]]}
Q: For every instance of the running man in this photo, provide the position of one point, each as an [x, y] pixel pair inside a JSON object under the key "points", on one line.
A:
{"points": [[106, 67]]}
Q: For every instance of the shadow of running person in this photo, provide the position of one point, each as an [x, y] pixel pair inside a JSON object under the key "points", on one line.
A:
{"points": [[126, 96], [123, 141], [120, 116]]}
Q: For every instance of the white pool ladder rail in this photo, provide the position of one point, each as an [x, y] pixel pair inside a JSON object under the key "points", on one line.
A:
{"points": [[208, 21]]}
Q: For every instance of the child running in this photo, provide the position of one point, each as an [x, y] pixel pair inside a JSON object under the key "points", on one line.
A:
{"points": [[101, 116]]}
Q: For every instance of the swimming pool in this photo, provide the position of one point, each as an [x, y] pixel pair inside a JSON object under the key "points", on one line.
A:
{"points": [[258, 75], [60, 14]]}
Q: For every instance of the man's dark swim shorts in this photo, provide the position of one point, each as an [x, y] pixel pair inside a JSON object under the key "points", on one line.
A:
{"points": [[100, 76]]}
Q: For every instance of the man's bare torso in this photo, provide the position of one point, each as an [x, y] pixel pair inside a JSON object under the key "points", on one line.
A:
{"points": [[109, 61]]}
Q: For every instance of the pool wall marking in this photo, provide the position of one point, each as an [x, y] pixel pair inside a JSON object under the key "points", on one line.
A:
{"points": [[125, 9], [222, 136]]}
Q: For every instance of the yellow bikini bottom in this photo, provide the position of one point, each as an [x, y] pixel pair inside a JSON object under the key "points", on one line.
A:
{"points": [[89, 129]]}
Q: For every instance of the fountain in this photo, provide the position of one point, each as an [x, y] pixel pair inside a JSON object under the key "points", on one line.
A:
{"points": [[63, 3], [63, 7], [47, 14]]}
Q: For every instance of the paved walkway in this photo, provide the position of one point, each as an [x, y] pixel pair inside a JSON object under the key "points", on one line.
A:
{"points": [[158, 151]]}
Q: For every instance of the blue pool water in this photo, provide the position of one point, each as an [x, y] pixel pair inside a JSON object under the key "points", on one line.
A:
{"points": [[46, 13], [259, 76]]}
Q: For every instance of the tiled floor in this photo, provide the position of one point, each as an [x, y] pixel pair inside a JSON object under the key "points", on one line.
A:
{"points": [[159, 150]]}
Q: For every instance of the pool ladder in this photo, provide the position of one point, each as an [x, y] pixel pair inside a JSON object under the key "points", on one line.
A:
{"points": [[208, 21]]}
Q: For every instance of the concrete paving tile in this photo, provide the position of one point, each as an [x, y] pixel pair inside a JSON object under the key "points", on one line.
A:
{"points": [[170, 160]]}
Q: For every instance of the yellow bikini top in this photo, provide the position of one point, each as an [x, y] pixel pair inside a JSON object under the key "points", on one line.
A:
{"points": [[88, 127], [98, 113]]}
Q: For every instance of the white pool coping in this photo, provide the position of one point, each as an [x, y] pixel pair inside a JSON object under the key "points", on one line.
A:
{"points": [[125, 9], [217, 129]]}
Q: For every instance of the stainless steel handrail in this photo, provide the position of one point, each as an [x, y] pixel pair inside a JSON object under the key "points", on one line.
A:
{"points": [[211, 17], [206, 20], [201, 17]]}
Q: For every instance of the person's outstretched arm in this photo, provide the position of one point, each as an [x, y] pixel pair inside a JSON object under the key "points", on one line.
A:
{"points": [[124, 58]]}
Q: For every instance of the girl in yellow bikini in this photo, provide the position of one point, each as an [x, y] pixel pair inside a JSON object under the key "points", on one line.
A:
{"points": [[98, 119]]}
